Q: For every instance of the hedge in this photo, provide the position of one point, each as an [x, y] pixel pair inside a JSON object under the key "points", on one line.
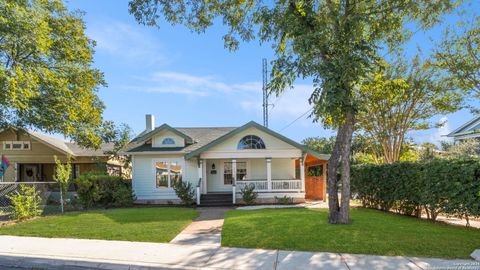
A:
{"points": [[99, 189], [449, 186]]}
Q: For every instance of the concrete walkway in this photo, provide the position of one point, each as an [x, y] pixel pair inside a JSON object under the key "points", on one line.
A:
{"points": [[205, 230], [47, 253]]}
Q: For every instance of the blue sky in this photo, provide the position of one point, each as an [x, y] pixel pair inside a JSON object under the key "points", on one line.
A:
{"points": [[186, 79]]}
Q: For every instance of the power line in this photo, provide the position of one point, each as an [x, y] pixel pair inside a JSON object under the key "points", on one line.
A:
{"points": [[298, 118], [276, 101]]}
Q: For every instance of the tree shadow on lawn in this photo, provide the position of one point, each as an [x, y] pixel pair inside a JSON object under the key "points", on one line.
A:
{"points": [[135, 215], [371, 232]]}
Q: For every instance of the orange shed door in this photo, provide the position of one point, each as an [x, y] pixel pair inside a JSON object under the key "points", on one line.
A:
{"points": [[315, 179]]}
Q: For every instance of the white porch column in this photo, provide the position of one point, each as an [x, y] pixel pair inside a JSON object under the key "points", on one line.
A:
{"points": [[200, 171], [302, 173], [204, 177], [200, 168], [269, 173], [234, 172]]}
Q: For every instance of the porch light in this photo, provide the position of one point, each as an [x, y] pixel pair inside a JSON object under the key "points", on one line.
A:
{"points": [[213, 166]]}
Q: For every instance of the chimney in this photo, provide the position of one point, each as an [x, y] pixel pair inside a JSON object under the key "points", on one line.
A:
{"points": [[150, 122]]}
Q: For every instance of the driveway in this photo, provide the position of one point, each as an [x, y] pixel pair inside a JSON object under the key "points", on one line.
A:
{"points": [[48, 253]]}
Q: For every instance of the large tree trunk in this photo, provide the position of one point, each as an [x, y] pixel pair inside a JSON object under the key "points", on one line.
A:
{"points": [[340, 160]]}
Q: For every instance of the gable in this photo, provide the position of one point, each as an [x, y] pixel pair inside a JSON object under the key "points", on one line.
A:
{"points": [[471, 126], [146, 136], [474, 129], [167, 135], [226, 146], [271, 142], [37, 148]]}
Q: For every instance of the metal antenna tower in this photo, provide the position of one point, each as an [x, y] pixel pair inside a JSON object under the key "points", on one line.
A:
{"points": [[265, 92]]}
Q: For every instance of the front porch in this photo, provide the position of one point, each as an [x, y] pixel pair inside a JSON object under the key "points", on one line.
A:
{"points": [[271, 177]]}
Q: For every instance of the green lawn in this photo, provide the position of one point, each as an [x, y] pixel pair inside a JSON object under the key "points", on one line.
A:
{"points": [[130, 224], [371, 232]]}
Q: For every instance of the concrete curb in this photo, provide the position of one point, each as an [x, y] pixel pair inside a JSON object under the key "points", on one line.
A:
{"points": [[476, 254], [78, 254], [31, 262]]}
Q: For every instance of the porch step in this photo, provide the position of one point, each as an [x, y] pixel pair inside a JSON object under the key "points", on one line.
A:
{"points": [[216, 199]]}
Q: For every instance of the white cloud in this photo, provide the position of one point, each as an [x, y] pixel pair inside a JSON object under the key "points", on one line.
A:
{"points": [[291, 104], [188, 84], [126, 42], [439, 134]]}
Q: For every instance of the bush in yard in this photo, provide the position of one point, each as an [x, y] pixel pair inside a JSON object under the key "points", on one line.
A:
{"points": [[248, 194], [185, 192], [25, 203], [284, 200], [450, 186], [99, 189]]}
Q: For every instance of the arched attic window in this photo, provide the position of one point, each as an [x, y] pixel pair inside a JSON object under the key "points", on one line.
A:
{"points": [[251, 142], [168, 141]]}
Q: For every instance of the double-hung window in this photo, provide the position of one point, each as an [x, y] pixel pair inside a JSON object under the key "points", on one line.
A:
{"points": [[228, 172], [167, 173]]}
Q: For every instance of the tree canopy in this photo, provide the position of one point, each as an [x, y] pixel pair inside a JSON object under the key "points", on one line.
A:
{"points": [[459, 55], [335, 43], [46, 77], [402, 97]]}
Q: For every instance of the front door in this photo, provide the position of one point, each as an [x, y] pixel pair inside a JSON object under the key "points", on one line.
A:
{"points": [[215, 177], [29, 173], [220, 174]]}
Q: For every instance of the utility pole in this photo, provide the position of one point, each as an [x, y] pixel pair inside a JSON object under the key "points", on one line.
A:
{"points": [[265, 92]]}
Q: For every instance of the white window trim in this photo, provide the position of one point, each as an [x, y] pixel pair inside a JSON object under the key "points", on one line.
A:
{"points": [[169, 138], [238, 160], [11, 143], [5, 145], [168, 161]]}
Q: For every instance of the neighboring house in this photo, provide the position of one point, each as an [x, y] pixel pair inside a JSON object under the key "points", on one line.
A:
{"points": [[31, 156], [221, 160], [469, 130]]}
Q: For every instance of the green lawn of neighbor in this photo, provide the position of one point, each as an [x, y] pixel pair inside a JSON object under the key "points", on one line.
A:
{"points": [[371, 232], [130, 224]]}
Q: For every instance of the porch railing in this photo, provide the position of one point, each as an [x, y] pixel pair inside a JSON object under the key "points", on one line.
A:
{"points": [[277, 184]]}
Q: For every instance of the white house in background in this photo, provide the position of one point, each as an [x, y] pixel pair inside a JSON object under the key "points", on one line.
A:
{"points": [[219, 161], [469, 130]]}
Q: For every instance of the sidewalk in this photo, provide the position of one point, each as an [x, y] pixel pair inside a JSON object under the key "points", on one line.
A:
{"points": [[33, 252], [205, 230]]}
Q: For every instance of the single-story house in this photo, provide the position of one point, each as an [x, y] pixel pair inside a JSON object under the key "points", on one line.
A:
{"points": [[31, 156], [221, 161], [469, 130]]}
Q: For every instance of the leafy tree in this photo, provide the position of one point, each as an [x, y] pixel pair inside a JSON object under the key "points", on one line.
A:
{"points": [[120, 136], [459, 55], [46, 77], [62, 176], [428, 151], [364, 149], [462, 149], [399, 98], [333, 42], [320, 144]]}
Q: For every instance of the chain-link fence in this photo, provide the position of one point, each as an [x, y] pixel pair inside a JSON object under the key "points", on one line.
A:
{"points": [[49, 192]]}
